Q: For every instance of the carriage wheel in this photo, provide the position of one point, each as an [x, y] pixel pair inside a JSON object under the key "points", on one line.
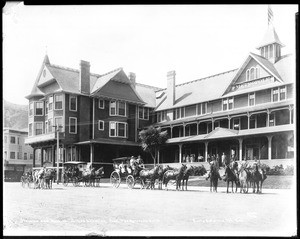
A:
{"points": [[23, 182], [130, 181], [66, 181], [115, 179]]}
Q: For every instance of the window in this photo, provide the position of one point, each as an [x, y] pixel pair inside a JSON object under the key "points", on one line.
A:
{"points": [[39, 107], [46, 107], [225, 103], [252, 73], [31, 156], [73, 103], [12, 139], [12, 155], [163, 115], [176, 113], [58, 102], [190, 110], [252, 121], [101, 104], [182, 113], [271, 50], [113, 108], [204, 107], [275, 94], [230, 103], [30, 129], [100, 124], [272, 119], [38, 128], [58, 122], [282, 92], [50, 103], [121, 108], [118, 129], [251, 99], [143, 113], [30, 108], [18, 140], [5, 139], [25, 156], [19, 155], [72, 125]]}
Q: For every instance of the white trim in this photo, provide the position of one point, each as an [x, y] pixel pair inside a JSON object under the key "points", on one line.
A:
{"points": [[99, 121], [250, 94], [50, 97], [110, 102], [99, 103], [70, 125], [36, 122], [117, 129], [143, 113], [117, 108], [31, 103], [284, 90], [110, 123], [272, 94], [54, 101], [73, 96]]}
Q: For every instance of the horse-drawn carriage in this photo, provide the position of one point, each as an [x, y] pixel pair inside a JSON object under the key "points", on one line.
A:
{"points": [[123, 171], [27, 180], [77, 172]]}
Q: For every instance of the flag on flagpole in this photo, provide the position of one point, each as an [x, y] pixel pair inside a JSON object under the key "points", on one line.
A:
{"points": [[270, 15]]}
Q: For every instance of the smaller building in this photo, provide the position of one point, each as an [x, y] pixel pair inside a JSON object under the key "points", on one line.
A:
{"points": [[17, 157]]}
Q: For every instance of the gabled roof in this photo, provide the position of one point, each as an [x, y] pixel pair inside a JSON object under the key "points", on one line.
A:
{"points": [[102, 80], [147, 94], [221, 133], [197, 91], [270, 37]]}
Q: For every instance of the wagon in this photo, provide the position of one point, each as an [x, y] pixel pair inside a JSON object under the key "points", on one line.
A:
{"points": [[117, 176], [69, 175]]}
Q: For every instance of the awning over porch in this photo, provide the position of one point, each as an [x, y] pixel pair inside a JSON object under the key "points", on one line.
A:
{"points": [[220, 133], [108, 141]]}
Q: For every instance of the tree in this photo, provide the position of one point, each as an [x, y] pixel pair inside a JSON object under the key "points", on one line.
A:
{"points": [[152, 139]]}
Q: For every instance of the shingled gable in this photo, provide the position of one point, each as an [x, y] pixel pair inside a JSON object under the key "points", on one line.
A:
{"points": [[265, 64], [220, 132], [116, 85]]}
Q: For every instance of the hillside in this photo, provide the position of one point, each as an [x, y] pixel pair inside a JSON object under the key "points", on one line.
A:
{"points": [[15, 116]]}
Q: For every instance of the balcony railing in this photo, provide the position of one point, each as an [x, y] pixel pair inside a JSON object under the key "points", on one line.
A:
{"points": [[43, 137]]}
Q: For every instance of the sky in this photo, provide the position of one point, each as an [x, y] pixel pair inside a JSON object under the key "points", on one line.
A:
{"points": [[194, 40]]}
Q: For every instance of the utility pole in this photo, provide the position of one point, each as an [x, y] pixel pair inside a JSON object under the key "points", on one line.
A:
{"points": [[57, 127]]}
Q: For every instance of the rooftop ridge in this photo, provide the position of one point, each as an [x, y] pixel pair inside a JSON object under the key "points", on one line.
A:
{"points": [[148, 86], [119, 68], [204, 78], [72, 69]]}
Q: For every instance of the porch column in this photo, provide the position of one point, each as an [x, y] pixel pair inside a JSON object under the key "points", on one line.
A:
{"points": [[212, 124], [206, 150], [183, 129], [180, 153], [229, 119], [91, 153], [248, 120], [270, 146], [290, 109], [171, 135], [42, 157], [198, 128], [33, 161], [241, 149], [268, 118], [158, 153]]}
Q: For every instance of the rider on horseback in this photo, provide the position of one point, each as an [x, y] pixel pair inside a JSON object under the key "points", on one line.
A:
{"points": [[214, 163]]}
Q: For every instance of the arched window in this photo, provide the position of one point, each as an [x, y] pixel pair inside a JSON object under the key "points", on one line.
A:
{"points": [[252, 73], [247, 75], [256, 73]]}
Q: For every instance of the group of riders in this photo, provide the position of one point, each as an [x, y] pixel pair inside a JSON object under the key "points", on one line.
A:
{"points": [[229, 163], [135, 165]]}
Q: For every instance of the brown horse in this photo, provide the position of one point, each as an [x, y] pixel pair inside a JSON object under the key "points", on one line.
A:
{"points": [[175, 174], [258, 177], [192, 171], [161, 173], [49, 177], [149, 174], [214, 177], [231, 176]]}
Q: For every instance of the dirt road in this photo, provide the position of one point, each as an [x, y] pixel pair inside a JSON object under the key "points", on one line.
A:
{"points": [[108, 211]]}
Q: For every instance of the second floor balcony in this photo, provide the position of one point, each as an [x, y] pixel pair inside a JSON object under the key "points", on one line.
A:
{"points": [[44, 137]]}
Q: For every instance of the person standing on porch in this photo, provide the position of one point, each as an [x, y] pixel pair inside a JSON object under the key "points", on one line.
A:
{"points": [[223, 158]]}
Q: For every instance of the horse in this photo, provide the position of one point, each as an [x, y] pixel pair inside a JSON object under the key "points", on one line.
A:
{"points": [[175, 174], [49, 177], [214, 176], [243, 176], [38, 178], [149, 174], [192, 171], [231, 176], [97, 175], [87, 175], [258, 178], [161, 173]]}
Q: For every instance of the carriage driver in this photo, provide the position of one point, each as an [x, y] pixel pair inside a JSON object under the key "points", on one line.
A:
{"points": [[140, 162], [132, 163]]}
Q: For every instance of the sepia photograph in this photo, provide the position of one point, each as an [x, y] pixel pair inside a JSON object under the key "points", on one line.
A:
{"points": [[149, 120]]}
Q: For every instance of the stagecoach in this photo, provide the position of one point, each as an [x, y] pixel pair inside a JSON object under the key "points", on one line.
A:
{"points": [[74, 173], [120, 174]]}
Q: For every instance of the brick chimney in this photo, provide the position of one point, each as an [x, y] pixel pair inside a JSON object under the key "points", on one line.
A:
{"points": [[132, 77], [84, 77], [171, 88]]}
